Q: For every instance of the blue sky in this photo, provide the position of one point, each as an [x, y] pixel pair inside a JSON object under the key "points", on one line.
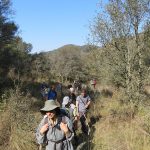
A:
{"points": [[50, 24]]}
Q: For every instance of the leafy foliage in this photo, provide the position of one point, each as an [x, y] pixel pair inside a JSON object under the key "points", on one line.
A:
{"points": [[120, 33]]}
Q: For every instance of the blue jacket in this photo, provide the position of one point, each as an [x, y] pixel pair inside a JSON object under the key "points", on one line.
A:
{"points": [[52, 95]]}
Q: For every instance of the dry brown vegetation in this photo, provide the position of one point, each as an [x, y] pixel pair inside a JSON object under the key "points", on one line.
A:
{"points": [[18, 122], [119, 117], [121, 126], [113, 124]]}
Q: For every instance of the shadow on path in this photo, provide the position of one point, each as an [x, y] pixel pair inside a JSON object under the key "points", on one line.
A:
{"points": [[85, 141]]}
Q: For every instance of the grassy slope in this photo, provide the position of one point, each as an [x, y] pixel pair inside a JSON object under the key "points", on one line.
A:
{"points": [[121, 126], [114, 125]]}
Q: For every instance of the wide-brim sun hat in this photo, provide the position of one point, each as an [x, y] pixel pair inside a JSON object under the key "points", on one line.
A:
{"points": [[65, 100], [50, 105]]}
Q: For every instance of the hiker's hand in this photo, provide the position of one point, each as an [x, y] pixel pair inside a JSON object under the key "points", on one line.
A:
{"points": [[86, 106], [64, 127], [44, 128]]}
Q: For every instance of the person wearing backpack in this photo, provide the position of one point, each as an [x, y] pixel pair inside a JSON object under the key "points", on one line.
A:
{"points": [[70, 108], [72, 95], [82, 103], [55, 130], [44, 90]]}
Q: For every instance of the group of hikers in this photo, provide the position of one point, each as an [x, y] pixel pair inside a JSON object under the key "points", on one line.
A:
{"points": [[58, 127]]}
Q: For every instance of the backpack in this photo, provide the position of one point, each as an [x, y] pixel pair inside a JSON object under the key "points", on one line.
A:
{"points": [[64, 112]]}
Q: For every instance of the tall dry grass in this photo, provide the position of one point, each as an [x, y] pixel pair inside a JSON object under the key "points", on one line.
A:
{"points": [[121, 126], [18, 122], [114, 125]]}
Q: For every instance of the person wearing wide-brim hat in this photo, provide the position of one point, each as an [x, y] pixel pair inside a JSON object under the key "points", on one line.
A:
{"points": [[54, 129]]}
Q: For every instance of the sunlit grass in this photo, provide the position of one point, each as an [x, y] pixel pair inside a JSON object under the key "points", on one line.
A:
{"points": [[114, 125], [122, 126]]}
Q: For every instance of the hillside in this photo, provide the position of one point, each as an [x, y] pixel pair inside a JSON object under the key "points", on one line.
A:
{"points": [[69, 48]]}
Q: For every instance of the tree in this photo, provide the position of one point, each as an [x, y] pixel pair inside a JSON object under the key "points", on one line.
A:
{"points": [[119, 31], [67, 63], [7, 28], [14, 53]]}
